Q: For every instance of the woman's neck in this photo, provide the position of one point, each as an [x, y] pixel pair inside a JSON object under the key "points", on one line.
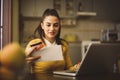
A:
{"points": [[51, 40]]}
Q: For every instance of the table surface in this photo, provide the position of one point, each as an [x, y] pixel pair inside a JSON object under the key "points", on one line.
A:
{"points": [[60, 77], [81, 77]]}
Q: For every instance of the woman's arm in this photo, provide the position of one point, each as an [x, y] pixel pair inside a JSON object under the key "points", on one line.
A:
{"points": [[67, 58], [32, 46]]}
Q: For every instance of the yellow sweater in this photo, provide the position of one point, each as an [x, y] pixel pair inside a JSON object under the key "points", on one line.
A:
{"points": [[50, 66]]}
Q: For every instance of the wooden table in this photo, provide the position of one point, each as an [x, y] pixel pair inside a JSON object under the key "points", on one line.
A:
{"points": [[59, 77]]}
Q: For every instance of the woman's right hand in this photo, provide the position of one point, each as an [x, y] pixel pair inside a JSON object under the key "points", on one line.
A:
{"points": [[29, 51]]}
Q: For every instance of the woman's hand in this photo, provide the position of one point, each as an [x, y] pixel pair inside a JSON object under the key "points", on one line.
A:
{"points": [[76, 66], [29, 52]]}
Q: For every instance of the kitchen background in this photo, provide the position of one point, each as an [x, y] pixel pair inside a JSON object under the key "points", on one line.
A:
{"points": [[82, 20]]}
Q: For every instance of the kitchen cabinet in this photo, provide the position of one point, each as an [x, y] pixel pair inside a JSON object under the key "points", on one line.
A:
{"points": [[65, 8], [59, 5], [27, 7], [85, 5], [41, 5], [85, 8], [34, 8], [107, 9], [101, 9]]}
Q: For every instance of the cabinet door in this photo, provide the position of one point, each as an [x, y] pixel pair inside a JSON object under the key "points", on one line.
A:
{"points": [[107, 9], [41, 6], [27, 7], [35, 8], [86, 5], [59, 5]]}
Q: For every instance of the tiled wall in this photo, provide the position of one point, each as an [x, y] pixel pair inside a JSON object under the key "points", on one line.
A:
{"points": [[85, 29], [88, 29]]}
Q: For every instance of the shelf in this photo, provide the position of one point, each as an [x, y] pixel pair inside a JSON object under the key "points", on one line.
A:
{"points": [[86, 13]]}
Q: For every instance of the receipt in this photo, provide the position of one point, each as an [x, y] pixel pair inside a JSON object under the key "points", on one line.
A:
{"points": [[51, 53]]}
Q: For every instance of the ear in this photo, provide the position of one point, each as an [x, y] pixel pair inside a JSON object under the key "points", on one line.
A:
{"points": [[42, 25]]}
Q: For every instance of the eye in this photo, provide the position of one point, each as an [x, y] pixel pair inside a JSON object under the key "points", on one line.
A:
{"points": [[48, 25], [56, 24]]}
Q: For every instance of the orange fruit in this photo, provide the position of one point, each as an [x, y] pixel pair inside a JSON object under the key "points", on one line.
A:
{"points": [[13, 57], [0, 58], [6, 74]]}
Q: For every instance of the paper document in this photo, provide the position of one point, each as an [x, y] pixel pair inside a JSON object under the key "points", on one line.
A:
{"points": [[51, 53]]}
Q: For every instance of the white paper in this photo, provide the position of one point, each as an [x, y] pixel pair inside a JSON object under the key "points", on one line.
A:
{"points": [[51, 53]]}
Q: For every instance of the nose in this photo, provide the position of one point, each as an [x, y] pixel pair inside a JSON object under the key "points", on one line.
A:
{"points": [[52, 27]]}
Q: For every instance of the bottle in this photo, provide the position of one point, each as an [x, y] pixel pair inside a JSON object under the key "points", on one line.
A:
{"points": [[119, 64], [115, 66], [79, 6], [103, 35], [107, 34]]}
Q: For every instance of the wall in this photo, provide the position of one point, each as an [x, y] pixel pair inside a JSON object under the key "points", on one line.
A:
{"points": [[86, 29], [15, 20]]}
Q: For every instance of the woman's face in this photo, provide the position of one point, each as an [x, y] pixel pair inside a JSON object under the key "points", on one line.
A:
{"points": [[50, 26]]}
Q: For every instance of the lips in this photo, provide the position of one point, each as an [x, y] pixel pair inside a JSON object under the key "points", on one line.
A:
{"points": [[52, 33]]}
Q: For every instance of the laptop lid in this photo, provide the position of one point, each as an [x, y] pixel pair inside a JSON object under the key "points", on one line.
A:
{"points": [[100, 58]]}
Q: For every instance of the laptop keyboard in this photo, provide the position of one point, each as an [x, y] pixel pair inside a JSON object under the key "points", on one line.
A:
{"points": [[68, 71]]}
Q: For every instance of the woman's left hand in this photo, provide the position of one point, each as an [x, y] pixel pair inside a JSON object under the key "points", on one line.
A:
{"points": [[76, 66]]}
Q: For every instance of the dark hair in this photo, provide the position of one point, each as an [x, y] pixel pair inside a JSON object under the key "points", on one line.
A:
{"points": [[39, 29]]}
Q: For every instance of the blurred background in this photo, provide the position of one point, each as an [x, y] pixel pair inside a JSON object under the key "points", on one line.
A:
{"points": [[83, 21]]}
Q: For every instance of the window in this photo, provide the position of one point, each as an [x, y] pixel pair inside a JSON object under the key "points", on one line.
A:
{"points": [[5, 22], [1, 21]]}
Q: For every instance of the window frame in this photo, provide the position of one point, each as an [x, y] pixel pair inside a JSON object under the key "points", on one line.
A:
{"points": [[6, 29]]}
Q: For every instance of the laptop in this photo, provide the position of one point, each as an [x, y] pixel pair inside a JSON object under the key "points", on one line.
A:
{"points": [[98, 59]]}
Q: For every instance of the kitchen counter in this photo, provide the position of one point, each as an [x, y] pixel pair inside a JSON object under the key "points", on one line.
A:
{"points": [[59, 77], [82, 77]]}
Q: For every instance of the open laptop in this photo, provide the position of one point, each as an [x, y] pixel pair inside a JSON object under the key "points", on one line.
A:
{"points": [[99, 58]]}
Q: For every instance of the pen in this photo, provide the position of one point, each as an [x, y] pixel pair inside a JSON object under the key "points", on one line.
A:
{"points": [[36, 44]]}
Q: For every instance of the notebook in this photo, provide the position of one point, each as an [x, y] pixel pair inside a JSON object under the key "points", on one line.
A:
{"points": [[99, 58]]}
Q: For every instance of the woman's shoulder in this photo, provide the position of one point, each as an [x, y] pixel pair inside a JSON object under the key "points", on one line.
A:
{"points": [[64, 42], [34, 41]]}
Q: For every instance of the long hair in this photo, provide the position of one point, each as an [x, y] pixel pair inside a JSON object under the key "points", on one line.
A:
{"points": [[40, 31]]}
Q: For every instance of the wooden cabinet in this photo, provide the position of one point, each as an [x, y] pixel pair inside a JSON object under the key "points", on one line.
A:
{"points": [[85, 5], [67, 11], [27, 7], [107, 9], [102, 9], [34, 8], [41, 6], [65, 8], [85, 8]]}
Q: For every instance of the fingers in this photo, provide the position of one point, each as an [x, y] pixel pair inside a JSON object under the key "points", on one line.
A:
{"points": [[31, 59], [76, 67], [29, 51]]}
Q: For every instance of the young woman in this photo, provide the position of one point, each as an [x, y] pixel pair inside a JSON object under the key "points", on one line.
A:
{"points": [[49, 31]]}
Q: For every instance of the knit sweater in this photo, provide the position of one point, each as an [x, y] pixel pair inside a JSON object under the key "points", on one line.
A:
{"points": [[50, 66]]}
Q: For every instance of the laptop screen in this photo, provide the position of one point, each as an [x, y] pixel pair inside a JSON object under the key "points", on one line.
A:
{"points": [[100, 58]]}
